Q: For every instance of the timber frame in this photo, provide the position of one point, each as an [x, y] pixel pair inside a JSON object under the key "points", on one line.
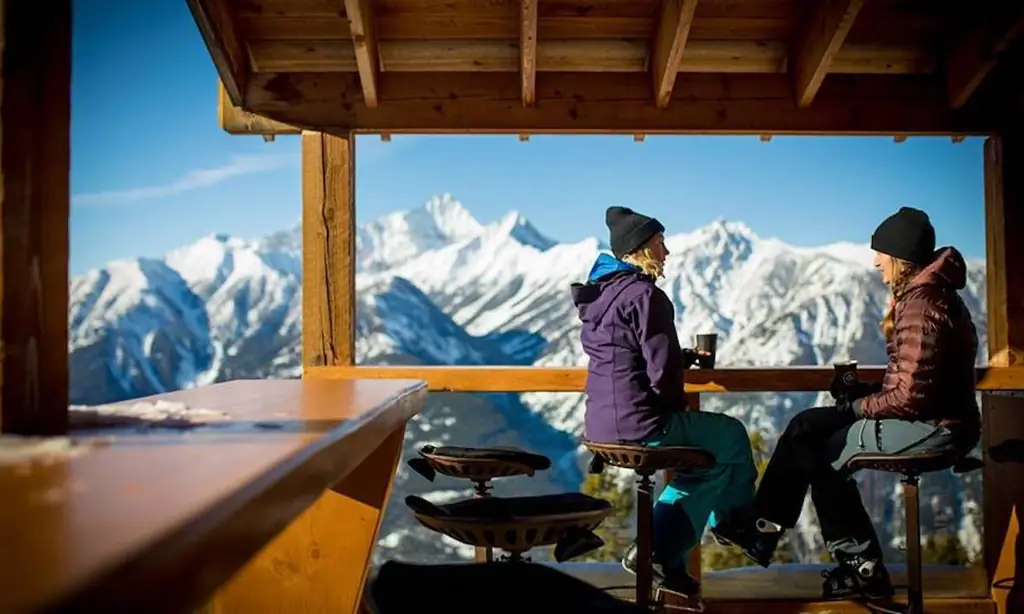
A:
{"points": [[330, 69], [613, 66]]}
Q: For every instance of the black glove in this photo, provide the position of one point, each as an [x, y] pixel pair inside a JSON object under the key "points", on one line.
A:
{"points": [[857, 390], [690, 357]]}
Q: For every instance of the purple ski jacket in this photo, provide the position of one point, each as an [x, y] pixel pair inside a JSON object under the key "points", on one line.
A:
{"points": [[636, 367]]}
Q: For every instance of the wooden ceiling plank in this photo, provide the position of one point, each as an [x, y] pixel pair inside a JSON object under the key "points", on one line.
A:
{"points": [[528, 50], [668, 46], [364, 37], [974, 57], [818, 43], [573, 56], [218, 27]]}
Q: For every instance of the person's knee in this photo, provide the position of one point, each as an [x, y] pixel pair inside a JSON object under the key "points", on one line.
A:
{"points": [[736, 439], [801, 424]]}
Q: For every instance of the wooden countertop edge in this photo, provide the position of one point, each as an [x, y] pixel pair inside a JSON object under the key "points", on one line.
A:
{"points": [[195, 559]]}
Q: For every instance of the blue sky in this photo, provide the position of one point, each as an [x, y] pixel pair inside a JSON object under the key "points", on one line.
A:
{"points": [[151, 170]]}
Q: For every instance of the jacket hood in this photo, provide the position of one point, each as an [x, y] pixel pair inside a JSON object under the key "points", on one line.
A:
{"points": [[607, 279], [948, 268]]}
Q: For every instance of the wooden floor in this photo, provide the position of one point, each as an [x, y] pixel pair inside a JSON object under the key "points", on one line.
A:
{"points": [[796, 588]]}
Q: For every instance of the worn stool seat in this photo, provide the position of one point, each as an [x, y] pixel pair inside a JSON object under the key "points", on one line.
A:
{"points": [[480, 466], [644, 461], [648, 459], [911, 466], [477, 464], [907, 464], [517, 524], [404, 588]]}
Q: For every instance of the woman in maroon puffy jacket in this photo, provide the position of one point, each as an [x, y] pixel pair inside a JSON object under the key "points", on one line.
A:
{"points": [[926, 402]]}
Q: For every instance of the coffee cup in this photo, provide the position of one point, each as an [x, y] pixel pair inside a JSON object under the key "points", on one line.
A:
{"points": [[847, 372], [706, 342]]}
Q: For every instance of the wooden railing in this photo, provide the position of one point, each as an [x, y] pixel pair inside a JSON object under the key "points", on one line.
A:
{"points": [[572, 379], [949, 589]]}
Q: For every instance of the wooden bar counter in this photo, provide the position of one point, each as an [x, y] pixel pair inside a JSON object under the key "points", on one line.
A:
{"points": [[297, 475]]}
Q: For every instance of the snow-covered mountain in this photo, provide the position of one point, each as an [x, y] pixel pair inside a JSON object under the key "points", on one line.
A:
{"points": [[436, 286]]}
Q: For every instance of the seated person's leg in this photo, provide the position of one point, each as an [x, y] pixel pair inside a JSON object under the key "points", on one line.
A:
{"points": [[685, 506], [845, 524], [784, 485]]}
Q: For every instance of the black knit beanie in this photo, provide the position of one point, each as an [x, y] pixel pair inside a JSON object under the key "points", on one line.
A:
{"points": [[629, 230], [907, 234]]}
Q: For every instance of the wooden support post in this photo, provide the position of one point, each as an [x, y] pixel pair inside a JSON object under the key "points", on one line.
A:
{"points": [[35, 154], [1004, 415], [320, 562], [328, 249]]}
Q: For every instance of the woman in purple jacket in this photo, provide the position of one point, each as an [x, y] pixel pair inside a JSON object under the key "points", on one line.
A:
{"points": [[635, 393]]}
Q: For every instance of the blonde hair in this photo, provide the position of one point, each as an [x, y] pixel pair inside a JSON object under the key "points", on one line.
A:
{"points": [[903, 272], [644, 260]]}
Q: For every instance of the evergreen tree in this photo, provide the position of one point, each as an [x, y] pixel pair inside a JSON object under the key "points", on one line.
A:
{"points": [[945, 549], [615, 530]]}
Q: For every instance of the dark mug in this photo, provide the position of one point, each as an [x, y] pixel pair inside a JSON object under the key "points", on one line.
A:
{"points": [[846, 371], [706, 342]]}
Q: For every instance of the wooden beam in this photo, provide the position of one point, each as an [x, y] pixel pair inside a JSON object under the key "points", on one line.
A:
{"points": [[818, 43], [1004, 218], [571, 379], [528, 50], [217, 25], [328, 243], [668, 46], [581, 55], [1003, 417], [976, 54], [35, 157], [364, 38], [601, 103], [233, 120]]}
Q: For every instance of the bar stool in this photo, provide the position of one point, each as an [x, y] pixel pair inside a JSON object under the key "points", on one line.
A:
{"points": [[645, 461], [911, 466], [516, 524], [480, 466]]}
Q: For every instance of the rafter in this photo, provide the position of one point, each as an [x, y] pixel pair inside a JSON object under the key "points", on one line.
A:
{"points": [[218, 27], [818, 43], [977, 53], [364, 37], [669, 44], [528, 50]]}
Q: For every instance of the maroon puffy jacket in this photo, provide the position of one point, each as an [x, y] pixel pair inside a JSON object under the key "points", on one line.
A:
{"points": [[932, 351]]}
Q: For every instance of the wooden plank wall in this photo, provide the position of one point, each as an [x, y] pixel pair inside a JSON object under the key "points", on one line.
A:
{"points": [[35, 90]]}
